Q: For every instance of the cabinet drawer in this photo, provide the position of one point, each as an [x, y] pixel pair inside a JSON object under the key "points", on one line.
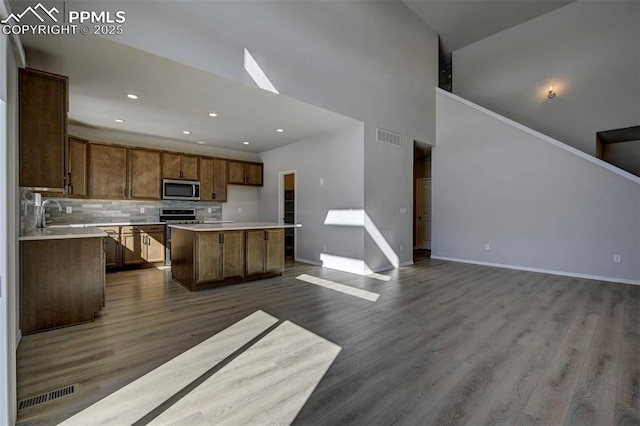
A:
{"points": [[130, 229], [150, 229], [111, 230]]}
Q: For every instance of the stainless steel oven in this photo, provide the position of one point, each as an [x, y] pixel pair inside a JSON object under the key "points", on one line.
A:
{"points": [[173, 189]]}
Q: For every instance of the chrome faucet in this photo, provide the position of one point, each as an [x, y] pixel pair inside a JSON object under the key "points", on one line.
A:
{"points": [[42, 221]]}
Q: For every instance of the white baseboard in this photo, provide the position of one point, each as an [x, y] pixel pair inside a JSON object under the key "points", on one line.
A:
{"points": [[544, 271], [307, 261], [407, 263]]}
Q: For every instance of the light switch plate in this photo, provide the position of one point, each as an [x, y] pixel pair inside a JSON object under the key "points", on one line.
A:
{"points": [[142, 210], [209, 210], [403, 210], [69, 209]]}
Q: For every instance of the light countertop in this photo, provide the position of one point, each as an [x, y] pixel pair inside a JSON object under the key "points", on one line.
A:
{"points": [[87, 225], [62, 233], [204, 227]]}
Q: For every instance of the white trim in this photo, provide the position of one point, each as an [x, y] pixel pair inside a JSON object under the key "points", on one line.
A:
{"points": [[543, 137], [308, 262], [544, 271], [281, 176], [18, 49]]}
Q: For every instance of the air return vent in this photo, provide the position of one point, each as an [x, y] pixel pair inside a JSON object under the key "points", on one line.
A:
{"points": [[385, 136], [46, 397]]}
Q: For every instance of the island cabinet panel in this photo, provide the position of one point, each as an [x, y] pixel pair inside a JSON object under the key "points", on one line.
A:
{"points": [[233, 254], [107, 171], [62, 282], [145, 174], [208, 257], [77, 168], [265, 251]]}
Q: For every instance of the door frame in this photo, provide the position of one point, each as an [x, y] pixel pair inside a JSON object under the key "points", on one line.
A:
{"points": [[281, 176]]}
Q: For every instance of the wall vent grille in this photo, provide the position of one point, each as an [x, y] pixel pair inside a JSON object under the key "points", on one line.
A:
{"points": [[46, 397], [388, 137]]}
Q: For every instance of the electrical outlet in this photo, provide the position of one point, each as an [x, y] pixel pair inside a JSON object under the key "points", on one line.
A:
{"points": [[616, 258], [209, 210], [401, 247], [141, 210], [69, 209], [239, 209], [487, 247], [403, 210]]}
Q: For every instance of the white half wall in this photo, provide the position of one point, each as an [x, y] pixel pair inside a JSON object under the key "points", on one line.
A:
{"points": [[329, 176], [537, 205], [587, 50]]}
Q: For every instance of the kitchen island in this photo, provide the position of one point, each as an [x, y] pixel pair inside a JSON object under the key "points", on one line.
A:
{"points": [[211, 255]]}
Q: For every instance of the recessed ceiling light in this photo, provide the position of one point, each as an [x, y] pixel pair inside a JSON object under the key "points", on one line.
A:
{"points": [[279, 130], [186, 132], [132, 96], [213, 114], [119, 120], [201, 142], [246, 143]]}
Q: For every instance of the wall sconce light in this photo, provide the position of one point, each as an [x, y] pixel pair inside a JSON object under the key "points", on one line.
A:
{"points": [[551, 94]]}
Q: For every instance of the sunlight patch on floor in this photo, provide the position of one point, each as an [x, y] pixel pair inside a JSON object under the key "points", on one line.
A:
{"points": [[342, 288]]}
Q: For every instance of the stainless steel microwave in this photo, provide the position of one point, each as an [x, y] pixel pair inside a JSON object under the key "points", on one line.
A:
{"points": [[173, 189]]}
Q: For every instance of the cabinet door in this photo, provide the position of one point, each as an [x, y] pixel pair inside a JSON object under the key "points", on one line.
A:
{"points": [[233, 254], [112, 247], [154, 246], [206, 179], [255, 251], [107, 171], [77, 168], [144, 174], [219, 180], [170, 165], [42, 129], [274, 250], [189, 167], [254, 174], [236, 172], [209, 256], [132, 249]]}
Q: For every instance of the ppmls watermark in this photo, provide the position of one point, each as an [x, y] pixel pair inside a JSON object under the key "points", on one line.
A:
{"points": [[101, 22]]}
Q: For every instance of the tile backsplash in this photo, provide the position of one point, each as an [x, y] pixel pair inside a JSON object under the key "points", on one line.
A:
{"points": [[109, 211]]}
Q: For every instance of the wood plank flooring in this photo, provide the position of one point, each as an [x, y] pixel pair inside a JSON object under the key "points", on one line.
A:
{"points": [[445, 343]]}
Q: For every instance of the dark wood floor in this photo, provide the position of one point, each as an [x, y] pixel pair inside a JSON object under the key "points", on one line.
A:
{"points": [[446, 343]]}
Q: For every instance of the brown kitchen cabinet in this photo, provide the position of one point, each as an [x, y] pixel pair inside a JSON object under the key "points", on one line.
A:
{"points": [[179, 166], [43, 106], [142, 244], [265, 251], [107, 171], [245, 173], [220, 255], [213, 179], [112, 246], [145, 176], [61, 282], [77, 154]]}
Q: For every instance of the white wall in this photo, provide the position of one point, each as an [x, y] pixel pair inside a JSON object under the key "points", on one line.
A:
{"points": [[242, 204], [329, 176], [372, 61], [588, 51], [536, 205], [9, 324]]}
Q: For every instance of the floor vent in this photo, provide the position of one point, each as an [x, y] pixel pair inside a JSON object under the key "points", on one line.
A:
{"points": [[385, 136], [46, 397]]}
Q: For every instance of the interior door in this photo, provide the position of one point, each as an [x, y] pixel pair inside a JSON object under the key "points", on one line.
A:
{"points": [[423, 213]]}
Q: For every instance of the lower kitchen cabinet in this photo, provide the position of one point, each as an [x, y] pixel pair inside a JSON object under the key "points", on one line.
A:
{"points": [[265, 251], [219, 255], [134, 245], [61, 282]]}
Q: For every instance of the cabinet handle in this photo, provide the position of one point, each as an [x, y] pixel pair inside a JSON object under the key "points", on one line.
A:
{"points": [[213, 195], [70, 189], [266, 235], [220, 238]]}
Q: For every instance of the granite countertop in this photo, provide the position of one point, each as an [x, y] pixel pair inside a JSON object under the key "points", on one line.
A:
{"points": [[203, 227], [62, 233], [85, 225]]}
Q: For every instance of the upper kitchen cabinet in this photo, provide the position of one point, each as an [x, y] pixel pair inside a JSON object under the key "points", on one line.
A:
{"points": [[107, 171], [213, 179], [178, 166], [77, 153], [245, 173], [145, 176], [43, 106]]}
